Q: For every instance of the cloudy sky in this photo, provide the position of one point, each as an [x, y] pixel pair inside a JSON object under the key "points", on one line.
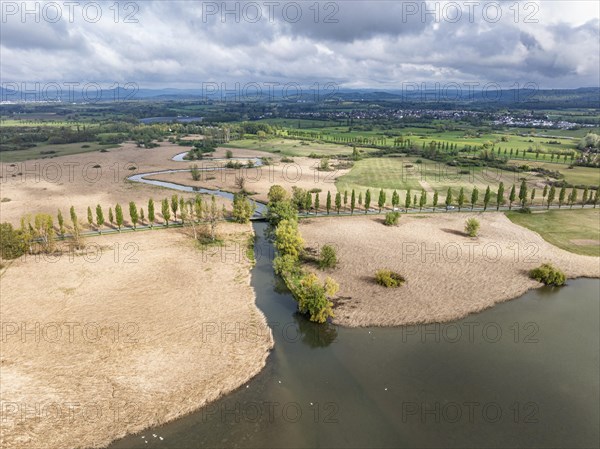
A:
{"points": [[356, 44]]}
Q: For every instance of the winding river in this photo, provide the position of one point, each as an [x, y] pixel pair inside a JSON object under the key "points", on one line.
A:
{"points": [[524, 373]]}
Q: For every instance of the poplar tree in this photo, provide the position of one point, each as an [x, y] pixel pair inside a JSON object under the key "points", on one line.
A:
{"points": [[500, 196], [151, 215], [119, 216], [474, 197], [561, 196], [449, 198], [381, 201], [422, 200], [461, 198], [133, 213], [551, 195], [99, 217], [61, 223], [166, 213], [512, 196], [174, 206], [487, 197]]}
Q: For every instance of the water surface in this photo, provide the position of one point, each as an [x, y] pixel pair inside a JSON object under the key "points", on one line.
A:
{"points": [[522, 374]]}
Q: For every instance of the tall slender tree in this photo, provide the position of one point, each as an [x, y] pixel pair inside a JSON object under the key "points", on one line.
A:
{"points": [[422, 199], [328, 202], [338, 202], [585, 197], [174, 206], [381, 200], [119, 216], [61, 223], [572, 198], [551, 195], [407, 200], [90, 217], [99, 217], [512, 196], [523, 193], [133, 213], [367, 200], [448, 198], [435, 199], [352, 202], [561, 196], [461, 198], [151, 214], [317, 203], [345, 199], [474, 197], [487, 197], [500, 196], [395, 200]]}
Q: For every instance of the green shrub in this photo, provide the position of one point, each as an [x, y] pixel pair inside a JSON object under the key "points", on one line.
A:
{"points": [[524, 210], [285, 265], [548, 274], [391, 218], [12, 242], [287, 160], [389, 279], [472, 227], [228, 154], [328, 257]]}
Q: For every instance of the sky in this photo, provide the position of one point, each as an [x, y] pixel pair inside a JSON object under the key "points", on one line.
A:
{"points": [[353, 44]]}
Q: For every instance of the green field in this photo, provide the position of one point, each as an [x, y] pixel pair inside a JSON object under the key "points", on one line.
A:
{"points": [[563, 227], [61, 150], [403, 173], [291, 147], [577, 175]]}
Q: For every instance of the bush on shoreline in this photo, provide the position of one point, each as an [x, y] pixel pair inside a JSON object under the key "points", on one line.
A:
{"points": [[548, 275]]}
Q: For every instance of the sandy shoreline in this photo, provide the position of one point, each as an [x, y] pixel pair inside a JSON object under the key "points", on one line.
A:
{"points": [[449, 275], [137, 333]]}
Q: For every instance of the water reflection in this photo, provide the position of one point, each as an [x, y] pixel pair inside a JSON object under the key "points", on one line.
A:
{"points": [[315, 335]]}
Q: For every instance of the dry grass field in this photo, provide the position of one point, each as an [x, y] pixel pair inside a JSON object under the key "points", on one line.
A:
{"points": [[449, 275], [302, 172], [128, 336], [83, 180]]}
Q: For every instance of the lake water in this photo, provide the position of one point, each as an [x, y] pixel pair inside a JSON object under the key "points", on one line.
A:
{"points": [[522, 374]]}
